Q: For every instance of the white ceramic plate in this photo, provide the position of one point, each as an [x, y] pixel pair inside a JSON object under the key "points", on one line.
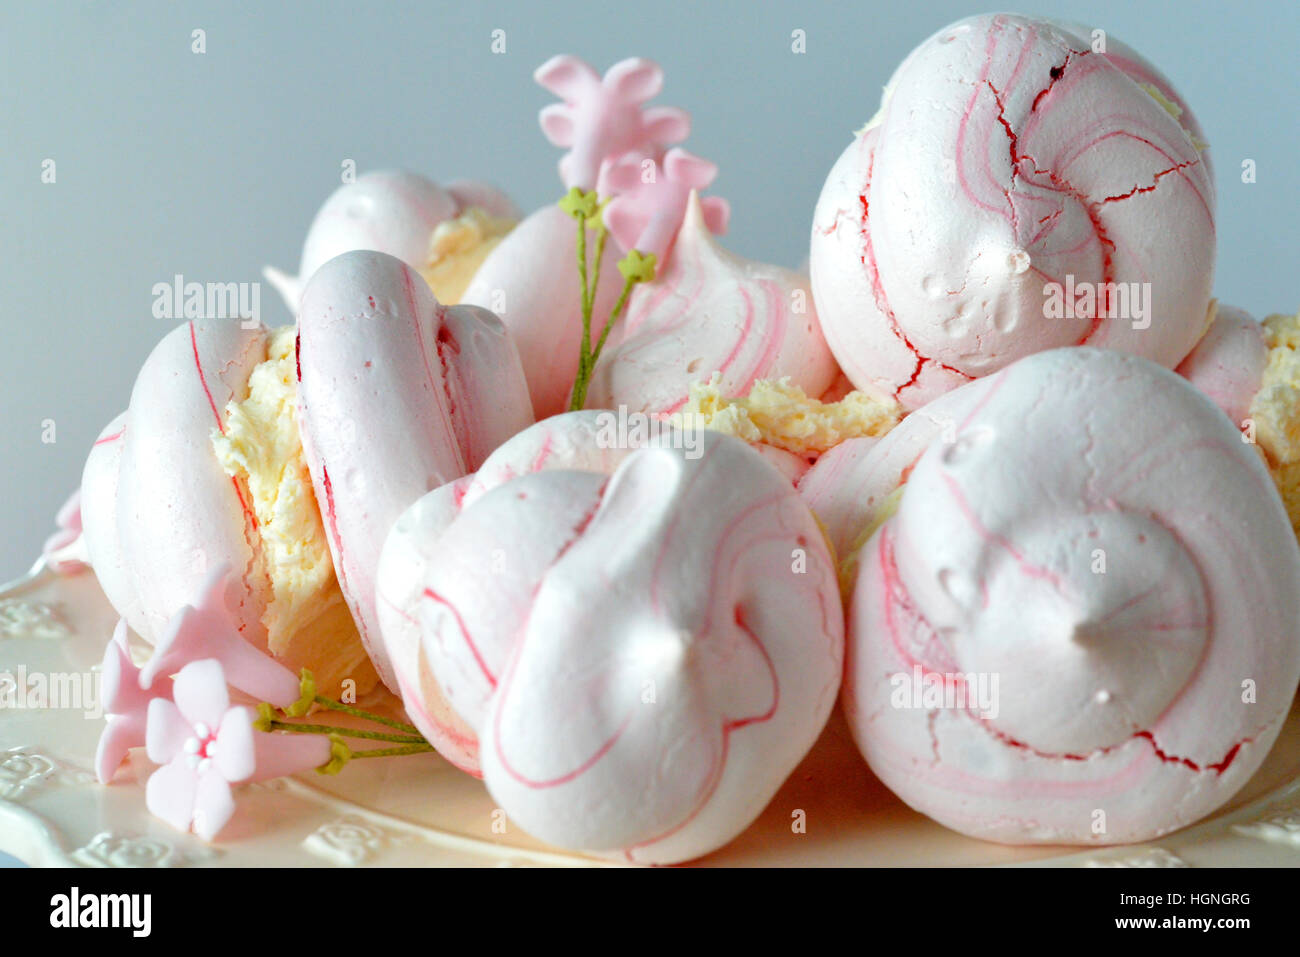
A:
{"points": [[421, 811]]}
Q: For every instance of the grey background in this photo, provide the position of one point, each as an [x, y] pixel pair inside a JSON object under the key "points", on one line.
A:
{"points": [[212, 165]]}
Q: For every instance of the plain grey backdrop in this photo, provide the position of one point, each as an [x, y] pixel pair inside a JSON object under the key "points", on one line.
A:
{"points": [[211, 165]]}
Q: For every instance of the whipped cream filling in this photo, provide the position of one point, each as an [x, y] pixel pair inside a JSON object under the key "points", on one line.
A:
{"points": [[307, 621], [780, 414], [458, 247], [1275, 409]]}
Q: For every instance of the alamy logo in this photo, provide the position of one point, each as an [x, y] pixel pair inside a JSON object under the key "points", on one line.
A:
{"points": [[179, 299], [74, 909], [934, 691], [21, 690], [638, 430], [1105, 300]]}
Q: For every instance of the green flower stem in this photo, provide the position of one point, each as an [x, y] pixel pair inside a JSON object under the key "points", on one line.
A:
{"points": [[588, 363], [393, 752], [582, 275], [601, 233], [333, 705], [344, 732], [613, 318]]}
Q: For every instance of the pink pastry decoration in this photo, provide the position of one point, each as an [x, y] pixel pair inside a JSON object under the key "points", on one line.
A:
{"points": [[710, 311], [397, 396], [651, 198], [663, 740], [1066, 200], [1228, 363], [1076, 621], [61, 550], [126, 704], [204, 746], [207, 630], [390, 211], [603, 118]]}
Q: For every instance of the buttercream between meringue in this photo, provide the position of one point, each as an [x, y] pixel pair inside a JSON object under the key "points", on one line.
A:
{"points": [[780, 414], [307, 621], [458, 247], [1275, 410]]}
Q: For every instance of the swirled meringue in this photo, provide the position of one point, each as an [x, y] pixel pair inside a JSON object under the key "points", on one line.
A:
{"points": [[1086, 533], [1228, 363], [445, 233], [644, 653], [711, 312], [397, 395], [1042, 170]]}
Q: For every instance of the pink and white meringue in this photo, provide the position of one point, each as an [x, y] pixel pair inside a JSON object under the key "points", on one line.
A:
{"points": [[1087, 535], [1228, 363], [571, 441], [232, 439], [1040, 170], [645, 642], [397, 395], [160, 510], [711, 312], [395, 212]]}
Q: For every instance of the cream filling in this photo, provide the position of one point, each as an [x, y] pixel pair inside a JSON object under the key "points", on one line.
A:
{"points": [[457, 249], [1275, 410], [307, 621], [780, 414]]}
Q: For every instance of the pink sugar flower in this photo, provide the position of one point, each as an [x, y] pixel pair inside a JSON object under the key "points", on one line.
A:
{"points": [[206, 629], [204, 746], [57, 548], [126, 704], [650, 203], [603, 118]]}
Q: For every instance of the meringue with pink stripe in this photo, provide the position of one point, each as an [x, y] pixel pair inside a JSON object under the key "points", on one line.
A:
{"points": [[1014, 161], [644, 642], [710, 311], [1092, 540]]}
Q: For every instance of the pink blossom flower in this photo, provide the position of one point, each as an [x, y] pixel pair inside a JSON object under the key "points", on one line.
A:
{"points": [[207, 629], [126, 704], [58, 550], [204, 746], [602, 118], [650, 201]]}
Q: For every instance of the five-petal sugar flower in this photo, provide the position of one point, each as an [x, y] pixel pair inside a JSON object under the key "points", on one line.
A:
{"points": [[205, 745], [189, 726]]}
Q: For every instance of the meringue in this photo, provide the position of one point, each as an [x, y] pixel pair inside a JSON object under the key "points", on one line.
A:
{"points": [[397, 395], [1228, 362], [1092, 537], [1036, 165], [160, 511], [719, 648], [709, 311], [445, 233]]}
